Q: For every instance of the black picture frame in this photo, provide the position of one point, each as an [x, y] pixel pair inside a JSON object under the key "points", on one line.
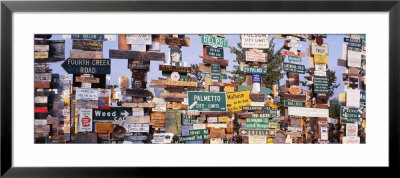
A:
{"points": [[8, 7]]}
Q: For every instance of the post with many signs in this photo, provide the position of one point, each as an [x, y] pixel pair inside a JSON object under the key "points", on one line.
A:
{"points": [[354, 96], [137, 48]]}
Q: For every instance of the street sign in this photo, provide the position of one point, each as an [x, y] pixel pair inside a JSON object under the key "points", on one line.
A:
{"points": [[246, 132], [290, 103], [294, 68], [320, 84], [138, 65], [363, 97], [256, 78], [207, 101], [254, 41], [257, 125], [295, 58], [87, 66], [349, 115], [214, 52], [112, 114], [215, 69], [260, 70], [214, 41]]}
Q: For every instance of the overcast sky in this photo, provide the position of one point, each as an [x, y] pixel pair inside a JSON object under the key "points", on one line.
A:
{"points": [[191, 54]]}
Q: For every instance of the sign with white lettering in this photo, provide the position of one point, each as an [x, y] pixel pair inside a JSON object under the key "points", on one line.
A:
{"points": [[207, 101]]}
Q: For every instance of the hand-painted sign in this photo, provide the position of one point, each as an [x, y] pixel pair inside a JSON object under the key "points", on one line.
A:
{"points": [[290, 53], [138, 39], [86, 54], [162, 138], [55, 53], [290, 103], [294, 68], [113, 114], [214, 52], [85, 120], [169, 68], [87, 45], [351, 140], [349, 115], [256, 56], [214, 41], [320, 84], [257, 139], [351, 129], [260, 70], [255, 41], [87, 94], [317, 49], [308, 112], [207, 101], [87, 66], [136, 55], [95, 37], [237, 100], [138, 127]]}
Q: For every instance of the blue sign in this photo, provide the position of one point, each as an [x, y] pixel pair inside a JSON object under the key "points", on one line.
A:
{"points": [[363, 96], [256, 78]]}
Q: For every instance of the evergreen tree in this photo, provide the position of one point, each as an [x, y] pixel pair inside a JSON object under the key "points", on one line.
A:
{"points": [[195, 76], [334, 108], [274, 65]]}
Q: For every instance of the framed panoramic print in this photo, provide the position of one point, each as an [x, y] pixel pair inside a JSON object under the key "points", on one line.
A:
{"points": [[103, 88]]}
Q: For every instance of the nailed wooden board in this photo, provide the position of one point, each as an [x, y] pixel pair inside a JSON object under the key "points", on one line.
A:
{"points": [[142, 56], [210, 60], [294, 97]]}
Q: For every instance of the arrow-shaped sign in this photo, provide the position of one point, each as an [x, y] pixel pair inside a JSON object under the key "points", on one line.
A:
{"points": [[87, 66], [125, 113]]}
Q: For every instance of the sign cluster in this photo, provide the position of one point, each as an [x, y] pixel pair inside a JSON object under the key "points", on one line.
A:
{"points": [[193, 104]]}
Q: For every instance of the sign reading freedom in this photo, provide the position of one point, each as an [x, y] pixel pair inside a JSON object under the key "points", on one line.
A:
{"points": [[207, 101]]}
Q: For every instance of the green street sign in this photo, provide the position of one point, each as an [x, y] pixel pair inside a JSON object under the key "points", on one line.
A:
{"points": [[186, 119], [215, 52], [215, 76], [95, 37], [206, 101], [199, 132], [257, 120], [259, 70], [290, 103], [294, 68], [192, 138], [349, 115], [265, 114], [215, 68], [274, 112], [256, 125], [209, 75], [214, 41], [320, 84], [294, 58]]}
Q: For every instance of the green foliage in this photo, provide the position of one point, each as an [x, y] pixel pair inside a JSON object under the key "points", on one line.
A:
{"points": [[274, 65], [334, 108], [331, 82], [195, 76]]}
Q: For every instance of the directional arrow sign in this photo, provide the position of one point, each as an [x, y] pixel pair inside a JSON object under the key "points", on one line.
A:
{"points": [[87, 66]]}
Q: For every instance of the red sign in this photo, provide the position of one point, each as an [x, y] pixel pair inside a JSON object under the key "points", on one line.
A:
{"points": [[40, 109], [289, 53]]}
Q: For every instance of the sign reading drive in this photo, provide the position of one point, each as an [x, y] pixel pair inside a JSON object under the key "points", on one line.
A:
{"points": [[207, 101]]}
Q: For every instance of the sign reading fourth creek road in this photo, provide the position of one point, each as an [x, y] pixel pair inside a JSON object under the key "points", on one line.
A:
{"points": [[207, 101], [87, 66]]}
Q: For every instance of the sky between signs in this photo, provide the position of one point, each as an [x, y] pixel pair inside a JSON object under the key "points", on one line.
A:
{"points": [[191, 54]]}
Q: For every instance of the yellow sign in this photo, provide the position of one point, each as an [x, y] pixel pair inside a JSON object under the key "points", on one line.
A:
{"points": [[229, 89], [175, 83], [272, 105], [41, 55], [236, 100], [223, 119], [342, 97], [320, 59], [270, 141]]}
